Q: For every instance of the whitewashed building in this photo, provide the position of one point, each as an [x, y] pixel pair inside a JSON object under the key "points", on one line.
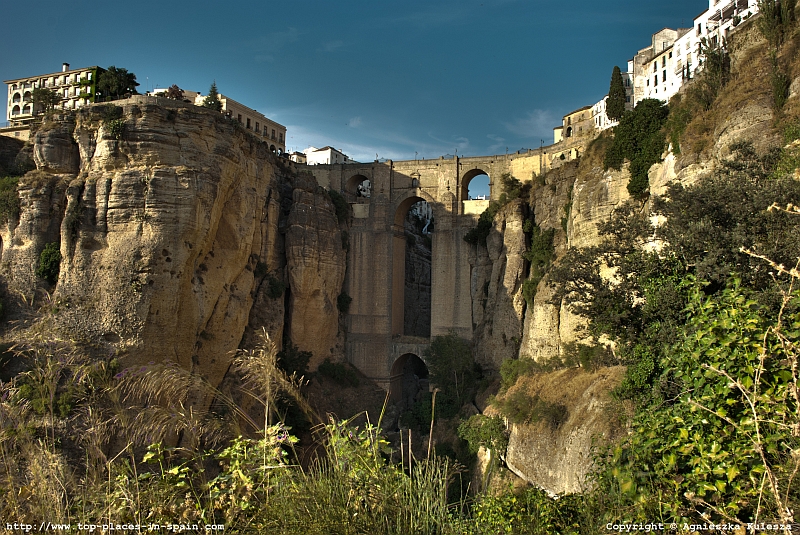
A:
{"points": [[325, 155]]}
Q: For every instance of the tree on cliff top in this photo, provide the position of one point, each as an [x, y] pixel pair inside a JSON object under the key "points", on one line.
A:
{"points": [[212, 100], [45, 99], [115, 82], [615, 106]]}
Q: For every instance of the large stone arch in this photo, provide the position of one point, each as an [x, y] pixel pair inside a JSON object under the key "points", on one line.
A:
{"points": [[467, 178], [399, 245], [352, 184], [408, 377]]}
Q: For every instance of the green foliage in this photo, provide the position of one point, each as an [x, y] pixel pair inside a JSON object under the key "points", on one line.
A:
{"points": [[9, 199], [531, 511], [45, 99], [681, 112], [116, 82], [615, 105], [722, 445], [276, 286], [707, 225], [452, 368], [479, 234], [340, 206], [261, 270], [540, 255], [343, 302], [212, 100], [345, 240], [640, 139], [588, 357], [116, 128], [292, 360], [776, 20], [111, 112], [513, 369], [780, 83], [714, 76], [49, 263], [484, 431], [514, 188], [521, 408], [342, 373]]}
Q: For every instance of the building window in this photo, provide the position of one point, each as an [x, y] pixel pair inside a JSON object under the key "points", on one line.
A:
{"points": [[655, 80], [239, 117], [248, 123], [664, 77], [627, 99], [273, 133], [280, 137], [670, 55], [258, 128], [655, 65]]}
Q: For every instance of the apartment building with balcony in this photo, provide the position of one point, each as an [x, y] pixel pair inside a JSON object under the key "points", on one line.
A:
{"points": [[76, 87]]}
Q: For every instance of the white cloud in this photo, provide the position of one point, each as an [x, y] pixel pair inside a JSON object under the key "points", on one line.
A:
{"points": [[499, 144], [332, 46], [267, 47], [535, 124], [355, 122]]}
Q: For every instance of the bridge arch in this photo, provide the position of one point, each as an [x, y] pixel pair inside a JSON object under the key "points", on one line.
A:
{"points": [[418, 291], [409, 377], [467, 178], [358, 186]]}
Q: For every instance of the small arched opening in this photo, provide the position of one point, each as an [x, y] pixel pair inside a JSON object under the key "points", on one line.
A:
{"points": [[27, 109], [15, 110], [475, 185], [272, 148], [409, 380], [569, 131], [359, 186], [411, 268]]}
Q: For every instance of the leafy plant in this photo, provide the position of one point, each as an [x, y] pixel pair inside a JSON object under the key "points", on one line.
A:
{"points": [[615, 106], [343, 302], [339, 372], [49, 263], [640, 139], [484, 431], [276, 286], [212, 100], [9, 199]]}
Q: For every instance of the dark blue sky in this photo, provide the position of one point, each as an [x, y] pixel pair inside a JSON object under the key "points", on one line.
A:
{"points": [[385, 78]]}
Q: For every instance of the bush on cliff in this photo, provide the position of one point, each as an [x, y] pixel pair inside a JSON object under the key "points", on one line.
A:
{"points": [[638, 138], [49, 263], [9, 199]]}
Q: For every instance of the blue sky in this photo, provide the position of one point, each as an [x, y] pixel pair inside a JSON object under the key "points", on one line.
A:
{"points": [[389, 78]]}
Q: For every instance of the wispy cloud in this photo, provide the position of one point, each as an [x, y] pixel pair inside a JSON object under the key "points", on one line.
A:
{"points": [[534, 124], [267, 46], [355, 122], [332, 46], [499, 143]]}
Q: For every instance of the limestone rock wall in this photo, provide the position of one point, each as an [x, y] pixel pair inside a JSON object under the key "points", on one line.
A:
{"points": [[557, 456], [498, 271], [174, 224], [316, 264]]}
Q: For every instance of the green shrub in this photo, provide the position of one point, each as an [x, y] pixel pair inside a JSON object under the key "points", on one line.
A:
{"points": [[276, 287], [589, 357], [540, 255], [521, 408], [341, 373], [292, 360], [513, 188], [487, 431], [49, 263], [479, 234], [639, 138], [261, 270], [343, 302], [452, 368], [9, 199], [340, 205], [512, 369]]}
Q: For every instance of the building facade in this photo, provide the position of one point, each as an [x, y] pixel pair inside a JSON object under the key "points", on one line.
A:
{"points": [[325, 155], [76, 87]]}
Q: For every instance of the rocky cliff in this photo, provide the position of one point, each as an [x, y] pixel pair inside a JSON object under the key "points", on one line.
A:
{"points": [[179, 232]]}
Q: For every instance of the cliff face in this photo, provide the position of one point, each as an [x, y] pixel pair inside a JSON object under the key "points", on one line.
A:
{"points": [[169, 212]]}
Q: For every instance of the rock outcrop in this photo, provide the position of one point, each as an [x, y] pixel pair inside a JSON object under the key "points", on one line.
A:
{"points": [[171, 223]]}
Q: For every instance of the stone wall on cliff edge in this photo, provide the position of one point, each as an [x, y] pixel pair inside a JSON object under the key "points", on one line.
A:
{"points": [[165, 213]]}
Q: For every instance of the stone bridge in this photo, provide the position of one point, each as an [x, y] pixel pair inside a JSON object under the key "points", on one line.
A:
{"points": [[376, 342]]}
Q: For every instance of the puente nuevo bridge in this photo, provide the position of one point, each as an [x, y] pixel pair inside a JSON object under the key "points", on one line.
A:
{"points": [[377, 343]]}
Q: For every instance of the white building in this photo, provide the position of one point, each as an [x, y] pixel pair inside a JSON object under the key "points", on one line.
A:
{"points": [[674, 57], [76, 87], [325, 155]]}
